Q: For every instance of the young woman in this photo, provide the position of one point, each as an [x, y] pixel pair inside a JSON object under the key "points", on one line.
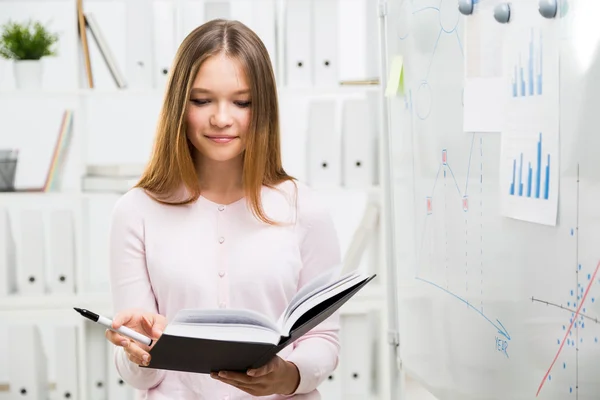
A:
{"points": [[216, 222]]}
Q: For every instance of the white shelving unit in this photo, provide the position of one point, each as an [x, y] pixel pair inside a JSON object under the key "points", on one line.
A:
{"points": [[99, 136]]}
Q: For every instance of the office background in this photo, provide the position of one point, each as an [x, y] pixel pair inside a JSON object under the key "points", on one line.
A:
{"points": [[80, 125], [454, 146]]}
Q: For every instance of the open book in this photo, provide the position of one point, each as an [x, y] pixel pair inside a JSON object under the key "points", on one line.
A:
{"points": [[235, 340]]}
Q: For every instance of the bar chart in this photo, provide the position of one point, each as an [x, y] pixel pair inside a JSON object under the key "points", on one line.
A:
{"points": [[527, 80], [532, 175]]}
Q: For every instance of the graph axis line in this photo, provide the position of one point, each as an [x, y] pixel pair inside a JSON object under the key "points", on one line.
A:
{"points": [[573, 320]]}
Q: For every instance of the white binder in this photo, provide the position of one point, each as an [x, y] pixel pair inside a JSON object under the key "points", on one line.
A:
{"points": [[323, 144], [356, 345], [28, 374], [62, 252], [358, 38], [97, 213], [331, 387], [32, 247], [191, 15], [359, 143], [216, 9], [117, 388], [260, 16], [96, 361], [325, 42], [67, 371], [8, 262], [140, 44], [165, 40], [298, 43]]}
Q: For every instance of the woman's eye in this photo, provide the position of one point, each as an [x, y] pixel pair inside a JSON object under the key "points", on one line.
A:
{"points": [[243, 104], [199, 102]]}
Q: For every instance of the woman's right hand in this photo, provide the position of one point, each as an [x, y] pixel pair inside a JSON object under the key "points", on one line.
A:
{"points": [[148, 324]]}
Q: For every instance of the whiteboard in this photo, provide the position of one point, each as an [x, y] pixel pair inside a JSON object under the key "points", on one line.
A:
{"points": [[491, 307]]}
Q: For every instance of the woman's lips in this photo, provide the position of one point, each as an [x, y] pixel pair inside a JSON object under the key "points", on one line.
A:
{"points": [[221, 139]]}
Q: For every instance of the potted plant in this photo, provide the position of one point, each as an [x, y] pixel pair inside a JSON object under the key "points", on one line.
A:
{"points": [[26, 44]]}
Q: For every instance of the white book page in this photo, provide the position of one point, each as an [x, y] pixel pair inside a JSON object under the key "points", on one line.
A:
{"points": [[238, 317], [313, 288], [225, 332], [320, 298]]}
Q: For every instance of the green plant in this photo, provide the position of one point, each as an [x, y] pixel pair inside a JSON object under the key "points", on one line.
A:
{"points": [[26, 41]]}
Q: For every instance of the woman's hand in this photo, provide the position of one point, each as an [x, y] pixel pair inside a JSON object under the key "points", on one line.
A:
{"points": [[149, 324], [276, 377]]}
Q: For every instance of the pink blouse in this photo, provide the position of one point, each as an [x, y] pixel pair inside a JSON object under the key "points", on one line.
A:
{"points": [[206, 255]]}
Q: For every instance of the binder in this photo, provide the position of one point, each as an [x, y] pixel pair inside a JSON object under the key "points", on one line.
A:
{"points": [[323, 144], [356, 345], [358, 38], [139, 44], [298, 43], [331, 387], [260, 16], [191, 14], [96, 213], [28, 374], [66, 364], [325, 42], [117, 388], [32, 247], [216, 9], [8, 262], [165, 40], [62, 252], [96, 361], [359, 143]]}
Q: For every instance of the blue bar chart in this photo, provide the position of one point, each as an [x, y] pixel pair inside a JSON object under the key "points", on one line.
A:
{"points": [[536, 187], [527, 80]]}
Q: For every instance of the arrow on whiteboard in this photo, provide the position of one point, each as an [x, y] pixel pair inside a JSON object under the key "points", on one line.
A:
{"points": [[498, 325]]}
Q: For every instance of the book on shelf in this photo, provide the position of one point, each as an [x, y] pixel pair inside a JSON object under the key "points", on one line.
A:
{"points": [[108, 184], [107, 55], [204, 341], [115, 170]]}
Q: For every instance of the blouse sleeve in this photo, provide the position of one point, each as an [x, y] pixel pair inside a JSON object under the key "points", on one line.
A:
{"points": [[316, 353], [130, 283]]}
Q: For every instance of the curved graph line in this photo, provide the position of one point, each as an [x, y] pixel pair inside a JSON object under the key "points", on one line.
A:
{"points": [[425, 9], [501, 329], [577, 313]]}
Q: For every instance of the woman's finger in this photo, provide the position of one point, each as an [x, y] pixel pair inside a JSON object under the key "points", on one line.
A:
{"points": [[114, 337], [121, 318], [133, 349]]}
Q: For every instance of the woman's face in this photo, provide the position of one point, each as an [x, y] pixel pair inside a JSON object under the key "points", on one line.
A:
{"points": [[218, 111]]}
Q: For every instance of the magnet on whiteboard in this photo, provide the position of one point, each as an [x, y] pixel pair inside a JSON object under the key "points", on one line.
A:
{"points": [[502, 13], [465, 7], [548, 8]]}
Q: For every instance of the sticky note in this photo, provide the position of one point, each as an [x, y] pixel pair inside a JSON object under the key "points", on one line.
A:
{"points": [[395, 83]]}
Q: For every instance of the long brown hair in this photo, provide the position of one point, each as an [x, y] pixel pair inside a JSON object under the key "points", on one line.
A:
{"points": [[171, 167]]}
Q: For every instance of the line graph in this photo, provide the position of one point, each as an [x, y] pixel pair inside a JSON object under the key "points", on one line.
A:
{"points": [[568, 330], [446, 174], [449, 19], [575, 307]]}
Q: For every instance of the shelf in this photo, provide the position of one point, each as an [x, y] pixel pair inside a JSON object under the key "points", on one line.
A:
{"points": [[53, 301], [370, 297]]}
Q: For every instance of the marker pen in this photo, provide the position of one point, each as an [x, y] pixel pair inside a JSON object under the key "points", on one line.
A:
{"points": [[123, 330]]}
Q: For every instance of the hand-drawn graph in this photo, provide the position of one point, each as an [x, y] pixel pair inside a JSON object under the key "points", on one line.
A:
{"points": [[435, 267], [528, 78], [578, 299], [536, 188]]}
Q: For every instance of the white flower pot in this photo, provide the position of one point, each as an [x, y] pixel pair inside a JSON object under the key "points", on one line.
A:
{"points": [[28, 74]]}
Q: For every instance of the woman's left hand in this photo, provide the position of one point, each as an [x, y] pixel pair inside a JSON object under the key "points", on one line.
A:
{"points": [[276, 377]]}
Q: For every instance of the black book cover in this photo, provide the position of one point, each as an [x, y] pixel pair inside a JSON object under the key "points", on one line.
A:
{"points": [[206, 355]]}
